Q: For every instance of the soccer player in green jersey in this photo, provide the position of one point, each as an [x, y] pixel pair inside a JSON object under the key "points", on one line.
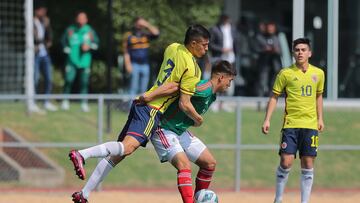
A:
{"points": [[79, 40], [175, 144], [179, 65], [303, 85]]}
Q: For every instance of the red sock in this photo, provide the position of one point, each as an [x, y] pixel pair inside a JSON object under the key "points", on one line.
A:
{"points": [[203, 178], [185, 185]]}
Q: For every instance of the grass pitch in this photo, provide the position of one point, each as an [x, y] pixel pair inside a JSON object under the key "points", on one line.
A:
{"points": [[333, 169]]}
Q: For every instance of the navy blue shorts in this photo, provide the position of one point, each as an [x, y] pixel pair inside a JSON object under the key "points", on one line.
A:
{"points": [[141, 124], [302, 139]]}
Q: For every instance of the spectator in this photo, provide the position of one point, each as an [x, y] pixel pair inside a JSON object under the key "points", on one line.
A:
{"points": [[269, 61], [205, 66], [78, 41], [222, 46], [42, 43], [136, 57]]}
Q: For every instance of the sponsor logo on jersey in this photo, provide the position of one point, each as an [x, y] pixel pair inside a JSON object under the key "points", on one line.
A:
{"points": [[314, 78]]}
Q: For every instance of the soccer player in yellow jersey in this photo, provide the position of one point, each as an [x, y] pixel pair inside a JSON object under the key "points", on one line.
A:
{"points": [[179, 66], [303, 85]]}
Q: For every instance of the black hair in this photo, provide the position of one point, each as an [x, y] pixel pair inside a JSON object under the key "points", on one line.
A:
{"points": [[223, 18], [301, 41], [195, 32], [39, 4], [77, 13], [223, 67], [137, 18]]}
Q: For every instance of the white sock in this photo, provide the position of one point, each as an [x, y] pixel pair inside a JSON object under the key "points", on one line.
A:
{"points": [[281, 179], [307, 179], [102, 169], [103, 150]]}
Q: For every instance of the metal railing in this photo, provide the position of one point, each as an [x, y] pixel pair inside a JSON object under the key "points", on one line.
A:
{"points": [[238, 147]]}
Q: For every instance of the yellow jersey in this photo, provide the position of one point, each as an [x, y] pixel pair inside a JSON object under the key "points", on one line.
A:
{"points": [[179, 65], [300, 95]]}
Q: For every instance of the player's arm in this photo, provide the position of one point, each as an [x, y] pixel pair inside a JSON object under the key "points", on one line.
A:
{"points": [[186, 106], [94, 45], [127, 61], [319, 110], [153, 30], [164, 90], [65, 40], [269, 111]]}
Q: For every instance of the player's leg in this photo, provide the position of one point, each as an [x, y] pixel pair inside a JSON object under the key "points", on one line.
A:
{"points": [[70, 73], [197, 152], [104, 167], [101, 170], [47, 69], [69, 77], [126, 144], [84, 86], [112, 148], [103, 150], [37, 64], [184, 181], [99, 151], [207, 165], [282, 175], [308, 152], [288, 149], [129, 144], [168, 148], [145, 76], [134, 79], [307, 177]]}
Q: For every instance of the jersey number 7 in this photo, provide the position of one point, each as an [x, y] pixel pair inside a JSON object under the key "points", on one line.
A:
{"points": [[170, 65]]}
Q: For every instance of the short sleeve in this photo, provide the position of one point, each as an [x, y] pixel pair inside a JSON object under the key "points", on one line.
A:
{"points": [[280, 83], [185, 73], [188, 82], [320, 86]]}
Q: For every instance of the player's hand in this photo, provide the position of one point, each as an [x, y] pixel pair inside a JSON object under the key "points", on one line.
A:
{"points": [[266, 127], [321, 125], [128, 68], [143, 23], [198, 122], [141, 99], [85, 47]]}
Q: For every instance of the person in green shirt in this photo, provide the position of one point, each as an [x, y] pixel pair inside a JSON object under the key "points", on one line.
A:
{"points": [[78, 41], [175, 144]]}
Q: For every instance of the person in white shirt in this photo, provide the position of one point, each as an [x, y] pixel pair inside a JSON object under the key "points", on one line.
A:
{"points": [[222, 46], [42, 43]]}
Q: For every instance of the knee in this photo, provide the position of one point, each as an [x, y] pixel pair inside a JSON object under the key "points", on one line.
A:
{"points": [[181, 165], [129, 149], [285, 165], [286, 162], [184, 165], [210, 164]]}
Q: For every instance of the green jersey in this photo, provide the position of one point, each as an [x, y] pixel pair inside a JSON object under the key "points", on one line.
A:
{"points": [[73, 38], [176, 120]]}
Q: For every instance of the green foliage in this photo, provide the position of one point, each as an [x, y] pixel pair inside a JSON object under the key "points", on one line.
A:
{"points": [[172, 17], [98, 78]]}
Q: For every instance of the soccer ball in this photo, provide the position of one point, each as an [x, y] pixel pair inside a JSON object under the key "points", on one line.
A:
{"points": [[206, 196]]}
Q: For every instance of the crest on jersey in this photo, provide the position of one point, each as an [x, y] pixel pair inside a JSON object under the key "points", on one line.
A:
{"points": [[314, 78], [283, 145]]}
